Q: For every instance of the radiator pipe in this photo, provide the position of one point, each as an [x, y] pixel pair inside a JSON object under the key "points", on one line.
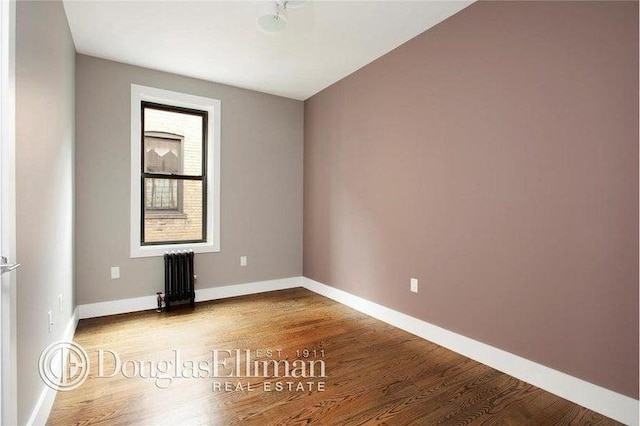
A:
{"points": [[160, 300]]}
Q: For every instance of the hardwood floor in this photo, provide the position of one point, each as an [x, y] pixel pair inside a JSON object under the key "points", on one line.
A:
{"points": [[376, 374]]}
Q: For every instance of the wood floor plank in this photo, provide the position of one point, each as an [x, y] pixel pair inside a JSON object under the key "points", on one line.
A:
{"points": [[377, 374]]}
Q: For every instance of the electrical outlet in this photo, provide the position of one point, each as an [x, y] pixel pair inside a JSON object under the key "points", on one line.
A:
{"points": [[60, 302], [414, 285], [50, 318], [115, 272], [243, 260]]}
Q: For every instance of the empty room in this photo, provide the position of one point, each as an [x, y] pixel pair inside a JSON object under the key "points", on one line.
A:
{"points": [[286, 212]]}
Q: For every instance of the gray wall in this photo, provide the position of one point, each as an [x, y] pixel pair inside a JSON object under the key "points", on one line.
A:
{"points": [[494, 158], [261, 184], [45, 67]]}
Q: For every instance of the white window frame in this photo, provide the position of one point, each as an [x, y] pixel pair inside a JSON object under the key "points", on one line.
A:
{"points": [[167, 97]]}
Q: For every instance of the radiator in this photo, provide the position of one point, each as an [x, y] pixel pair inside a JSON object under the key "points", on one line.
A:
{"points": [[178, 278]]}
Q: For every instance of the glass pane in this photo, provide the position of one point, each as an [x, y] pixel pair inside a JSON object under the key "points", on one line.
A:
{"points": [[163, 194], [172, 142], [173, 210], [162, 155]]}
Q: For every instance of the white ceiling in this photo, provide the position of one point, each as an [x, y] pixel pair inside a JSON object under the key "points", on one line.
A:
{"points": [[324, 41]]}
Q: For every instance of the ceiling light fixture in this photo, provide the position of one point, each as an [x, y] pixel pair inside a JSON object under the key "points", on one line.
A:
{"points": [[273, 18]]}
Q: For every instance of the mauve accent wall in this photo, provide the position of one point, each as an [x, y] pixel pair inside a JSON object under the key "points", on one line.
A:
{"points": [[494, 158]]}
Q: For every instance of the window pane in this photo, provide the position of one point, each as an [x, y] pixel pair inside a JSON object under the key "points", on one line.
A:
{"points": [[163, 194], [161, 154], [173, 210], [173, 142]]}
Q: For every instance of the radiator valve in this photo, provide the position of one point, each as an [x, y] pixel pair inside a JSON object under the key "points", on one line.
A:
{"points": [[160, 300]]}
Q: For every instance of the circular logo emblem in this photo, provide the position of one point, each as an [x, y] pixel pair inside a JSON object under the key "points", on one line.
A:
{"points": [[63, 366]]}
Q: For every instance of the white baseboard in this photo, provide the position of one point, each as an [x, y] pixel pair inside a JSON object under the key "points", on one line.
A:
{"points": [[214, 293], [611, 404], [144, 303], [113, 307], [43, 406]]}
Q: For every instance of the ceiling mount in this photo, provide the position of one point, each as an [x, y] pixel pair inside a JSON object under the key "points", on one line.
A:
{"points": [[273, 17], [292, 4]]}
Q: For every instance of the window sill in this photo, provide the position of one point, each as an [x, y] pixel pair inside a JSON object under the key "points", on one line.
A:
{"points": [[160, 250], [166, 216]]}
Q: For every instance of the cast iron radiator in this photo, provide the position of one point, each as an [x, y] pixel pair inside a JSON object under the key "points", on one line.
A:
{"points": [[178, 278]]}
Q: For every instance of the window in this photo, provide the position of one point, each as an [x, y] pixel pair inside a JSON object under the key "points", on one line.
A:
{"points": [[175, 172]]}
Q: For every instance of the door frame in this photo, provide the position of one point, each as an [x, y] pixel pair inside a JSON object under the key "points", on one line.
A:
{"points": [[8, 342]]}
